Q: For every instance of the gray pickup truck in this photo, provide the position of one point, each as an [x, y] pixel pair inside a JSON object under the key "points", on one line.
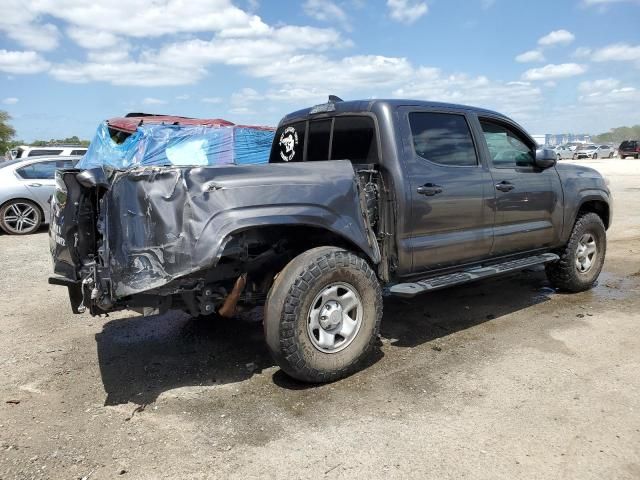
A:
{"points": [[360, 199]]}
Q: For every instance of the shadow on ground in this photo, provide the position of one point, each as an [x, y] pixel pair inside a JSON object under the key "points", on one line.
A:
{"points": [[141, 357]]}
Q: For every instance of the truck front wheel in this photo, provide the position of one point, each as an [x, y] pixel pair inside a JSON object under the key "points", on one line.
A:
{"points": [[582, 257], [323, 314]]}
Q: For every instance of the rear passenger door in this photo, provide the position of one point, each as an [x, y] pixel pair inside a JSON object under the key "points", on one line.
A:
{"points": [[451, 192], [528, 200]]}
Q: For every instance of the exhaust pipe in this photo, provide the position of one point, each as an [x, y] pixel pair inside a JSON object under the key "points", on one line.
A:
{"points": [[228, 308]]}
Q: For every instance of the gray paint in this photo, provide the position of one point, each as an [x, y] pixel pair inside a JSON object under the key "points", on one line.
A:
{"points": [[165, 223]]}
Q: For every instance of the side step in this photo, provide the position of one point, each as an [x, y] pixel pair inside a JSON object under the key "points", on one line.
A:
{"points": [[435, 283]]}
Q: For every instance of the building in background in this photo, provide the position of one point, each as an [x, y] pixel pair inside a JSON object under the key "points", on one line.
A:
{"points": [[554, 139]]}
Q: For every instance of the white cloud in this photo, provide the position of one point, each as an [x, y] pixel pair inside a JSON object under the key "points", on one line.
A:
{"points": [[551, 71], [211, 100], [19, 62], [603, 3], [326, 11], [20, 22], [406, 11], [93, 38], [153, 101], [183, 97], [557, 37], [487, 4], [591, 86], [530, 56], [608, 94], [581, 52], [126, 73], [620, 52], [141, 18], [10, 101]]}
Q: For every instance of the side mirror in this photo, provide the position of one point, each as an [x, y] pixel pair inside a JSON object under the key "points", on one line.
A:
{"points": [[545, 158]]}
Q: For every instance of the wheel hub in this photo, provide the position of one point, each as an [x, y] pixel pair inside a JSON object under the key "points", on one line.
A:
{"points": [[335, 317], [331, 315], [586, 253]]}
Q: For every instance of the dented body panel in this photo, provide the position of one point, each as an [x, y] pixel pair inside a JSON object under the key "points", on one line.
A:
{"points": [[157, 225]]}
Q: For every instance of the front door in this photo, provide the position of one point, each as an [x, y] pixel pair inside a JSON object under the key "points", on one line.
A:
{"points": [[451, 216], [528, 201]]}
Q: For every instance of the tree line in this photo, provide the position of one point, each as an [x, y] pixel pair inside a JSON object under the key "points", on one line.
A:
{"points": [[8, 133], [618, 135]]}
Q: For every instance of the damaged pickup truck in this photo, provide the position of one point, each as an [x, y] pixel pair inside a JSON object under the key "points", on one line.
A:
{"points": [[351, 201]]}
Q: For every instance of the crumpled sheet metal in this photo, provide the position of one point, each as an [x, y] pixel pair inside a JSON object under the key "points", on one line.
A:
{"points": [[165, 223], [179, 145]]}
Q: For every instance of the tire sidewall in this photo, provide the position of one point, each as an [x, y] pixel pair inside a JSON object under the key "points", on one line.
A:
{"points": [[289, 302], [327, 362], [594, 226]]}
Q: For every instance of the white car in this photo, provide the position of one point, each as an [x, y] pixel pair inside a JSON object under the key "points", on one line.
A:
{"points": [[563, 152], [26, 185], [24, 151], [594, 151]]}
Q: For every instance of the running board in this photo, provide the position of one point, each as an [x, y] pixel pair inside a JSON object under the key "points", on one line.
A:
{"points": [[435, 283]]}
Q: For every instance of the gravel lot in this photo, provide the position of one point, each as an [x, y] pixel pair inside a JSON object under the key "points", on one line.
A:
{"points": [[500, 379]]}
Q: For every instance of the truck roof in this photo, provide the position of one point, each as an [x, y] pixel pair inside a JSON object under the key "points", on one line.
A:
{"points": [[356, 106]]}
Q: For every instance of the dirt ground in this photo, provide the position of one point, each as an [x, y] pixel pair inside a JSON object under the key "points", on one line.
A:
{"points": [[501, 379]]}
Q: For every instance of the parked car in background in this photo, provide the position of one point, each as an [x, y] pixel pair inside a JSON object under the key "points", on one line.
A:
{"points": [[26, 185], [629, 148], [563, 152], [25, 151], [593, 151]]}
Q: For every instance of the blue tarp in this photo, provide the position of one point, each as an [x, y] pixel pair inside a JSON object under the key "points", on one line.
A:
{"points": [[182, 145]]}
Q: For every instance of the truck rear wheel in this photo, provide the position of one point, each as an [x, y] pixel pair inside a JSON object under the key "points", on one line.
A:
{"points": [[582, 258], [323, 315]]}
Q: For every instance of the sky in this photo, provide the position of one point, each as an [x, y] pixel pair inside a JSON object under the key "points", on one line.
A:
{"points": [[554, 66]]}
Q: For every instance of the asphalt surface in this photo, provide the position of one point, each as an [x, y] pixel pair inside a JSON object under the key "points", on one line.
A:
{"points": [[501, 379]]}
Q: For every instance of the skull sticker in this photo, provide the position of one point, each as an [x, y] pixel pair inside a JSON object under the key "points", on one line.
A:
{"points": [[288, 144]]}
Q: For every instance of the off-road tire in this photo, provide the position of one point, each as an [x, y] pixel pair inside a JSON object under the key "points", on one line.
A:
{"points": [[287, 312], [563, 274]]}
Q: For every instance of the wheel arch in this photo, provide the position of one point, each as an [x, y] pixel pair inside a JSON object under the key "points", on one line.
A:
{"points": [[597, 205]]}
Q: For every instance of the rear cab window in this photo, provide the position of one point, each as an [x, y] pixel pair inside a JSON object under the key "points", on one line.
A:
{"points": [[348, 137]]}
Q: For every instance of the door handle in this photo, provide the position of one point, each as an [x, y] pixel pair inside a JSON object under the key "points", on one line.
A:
{"points": [[35, 184], [429, 189], [504, 186]]}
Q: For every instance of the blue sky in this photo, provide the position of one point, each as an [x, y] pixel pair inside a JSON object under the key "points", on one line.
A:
{"points": [[553, 65]]}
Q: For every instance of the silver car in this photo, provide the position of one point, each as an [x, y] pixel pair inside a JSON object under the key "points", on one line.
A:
{"points": [[26, 185]]}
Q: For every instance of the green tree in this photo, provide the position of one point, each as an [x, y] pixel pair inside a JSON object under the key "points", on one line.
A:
{"points": [[7, 132], [618, 135]]}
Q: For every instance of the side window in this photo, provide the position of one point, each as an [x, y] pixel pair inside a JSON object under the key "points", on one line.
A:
{"points": [[443, 138], [64, 164], [318, 143], [507, 148], [39, 153], [354, 138], [288, 144], [38, 171]]}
